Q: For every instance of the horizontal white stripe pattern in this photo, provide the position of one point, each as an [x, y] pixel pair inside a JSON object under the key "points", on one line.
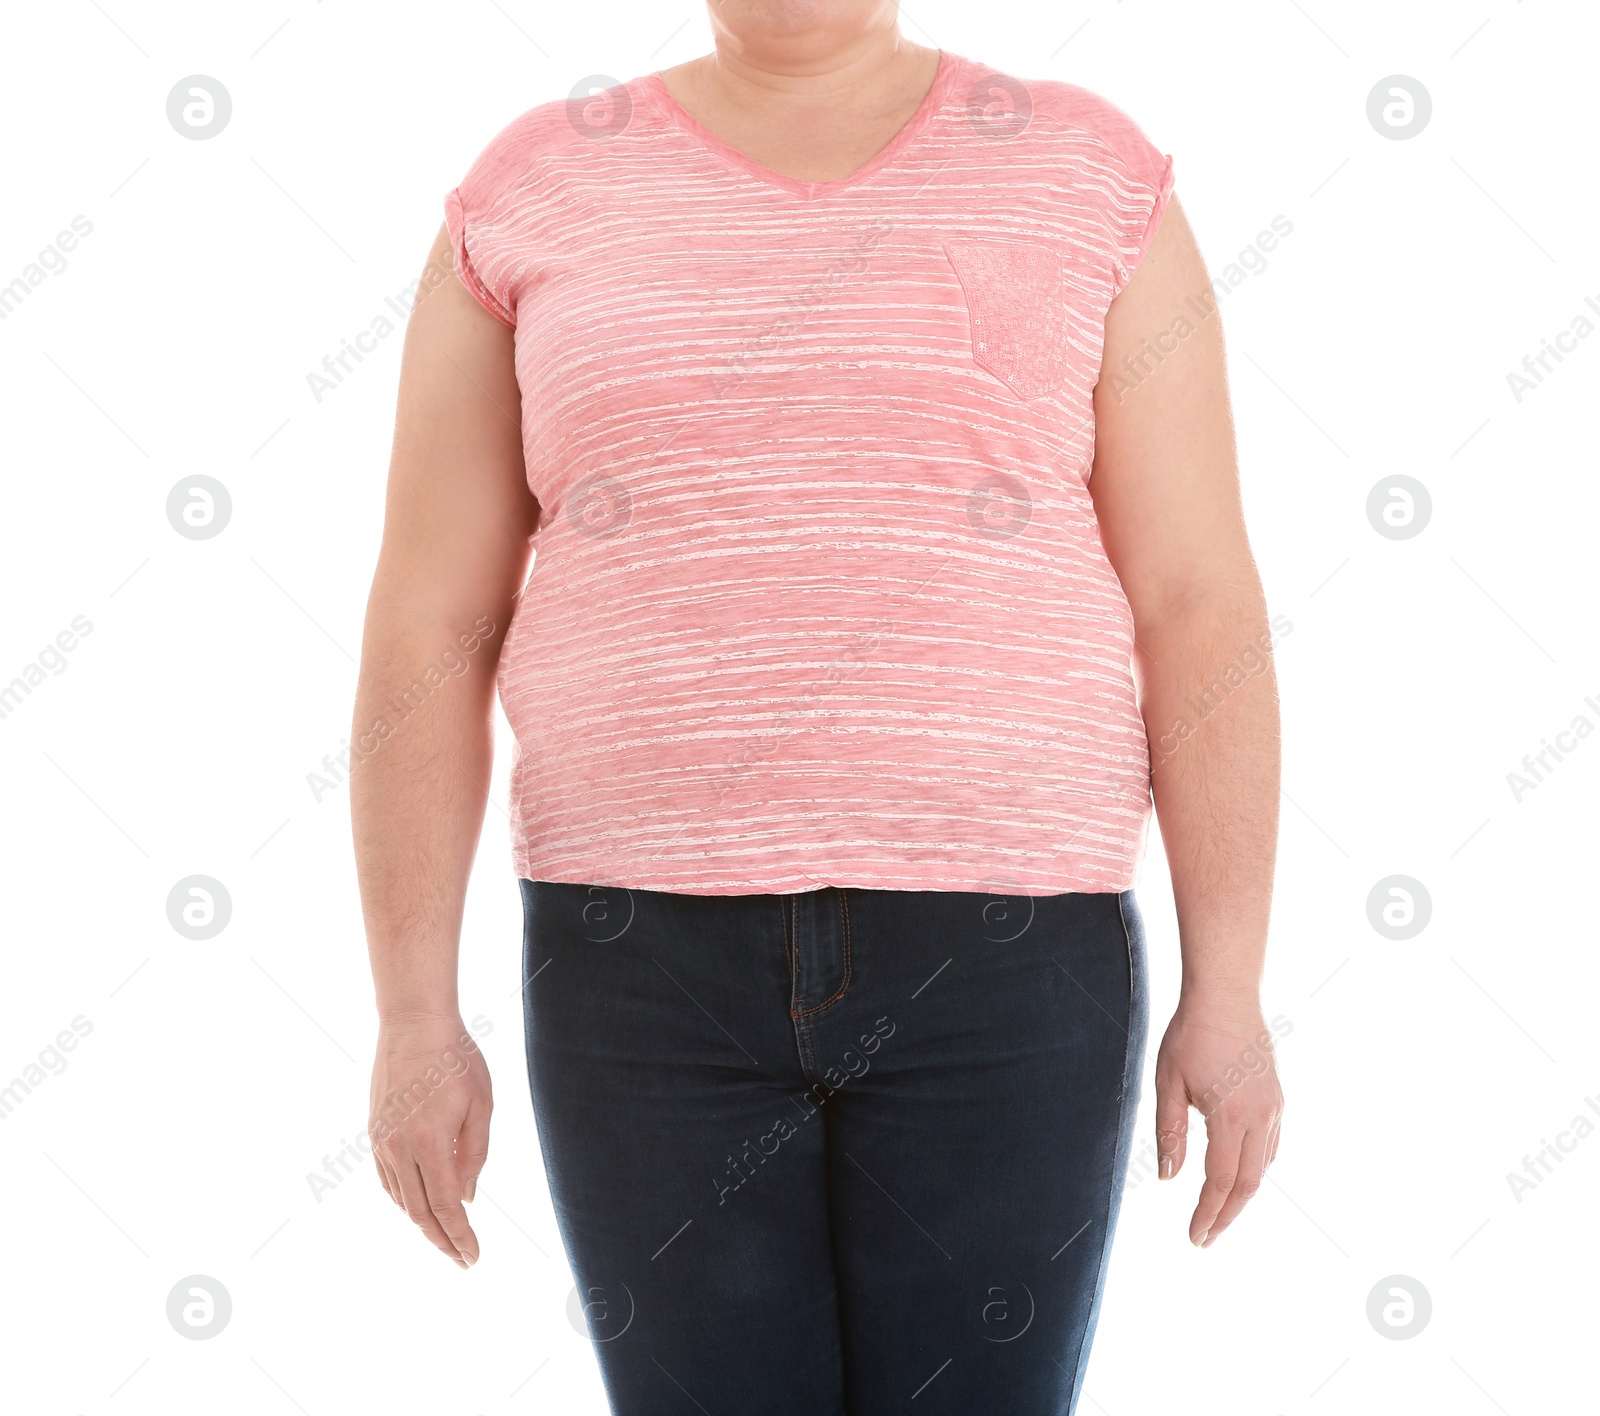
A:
{"points": [[819, 596]]}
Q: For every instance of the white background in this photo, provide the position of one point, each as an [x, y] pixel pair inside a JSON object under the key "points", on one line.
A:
{"points": [[178, 738]]}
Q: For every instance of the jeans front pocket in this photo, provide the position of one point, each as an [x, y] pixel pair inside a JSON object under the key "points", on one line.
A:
{"points": [[1016, 308]]}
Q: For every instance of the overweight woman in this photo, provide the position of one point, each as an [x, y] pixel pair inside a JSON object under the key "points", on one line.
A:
{"points": [[863, 412]]}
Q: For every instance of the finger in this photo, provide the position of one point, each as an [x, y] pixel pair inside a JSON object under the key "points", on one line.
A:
{"points": [[383, 1177], [472, 1147], [422, 1215], [1272, 1144], [389, 1175], [1252, 1162], [395, 1187], [443, 1183], [1223, 1144], [378, 1134], [1172, 1123]]}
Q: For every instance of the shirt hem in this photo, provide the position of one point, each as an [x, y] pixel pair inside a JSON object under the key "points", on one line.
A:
{"points": [[945, 881]]}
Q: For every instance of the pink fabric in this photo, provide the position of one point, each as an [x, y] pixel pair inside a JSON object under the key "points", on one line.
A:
{"points": [[819, 596]]}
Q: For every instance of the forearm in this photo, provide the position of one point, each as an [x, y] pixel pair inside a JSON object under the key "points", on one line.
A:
{"points": [[1211, 711], [422, 752]]}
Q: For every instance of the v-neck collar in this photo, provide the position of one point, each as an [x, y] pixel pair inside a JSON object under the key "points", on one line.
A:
{"points": [[944, 79]]}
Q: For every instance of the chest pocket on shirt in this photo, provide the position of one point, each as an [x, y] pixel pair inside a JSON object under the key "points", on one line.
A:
{"points": [[1016, 308]]}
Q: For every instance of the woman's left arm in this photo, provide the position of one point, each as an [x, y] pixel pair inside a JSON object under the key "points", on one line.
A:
{"points": [[1166, 490]]}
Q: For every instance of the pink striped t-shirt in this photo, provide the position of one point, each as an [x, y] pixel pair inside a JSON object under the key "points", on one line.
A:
{"points": [[818, 595]]}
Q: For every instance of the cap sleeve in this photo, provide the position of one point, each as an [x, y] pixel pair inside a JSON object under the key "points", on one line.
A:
{"points": [[1148, 179], [478, 214], [462, 225], [1160, 194]]}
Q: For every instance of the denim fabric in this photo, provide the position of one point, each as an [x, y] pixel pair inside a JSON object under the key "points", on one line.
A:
{"points": [[835, 1151]]}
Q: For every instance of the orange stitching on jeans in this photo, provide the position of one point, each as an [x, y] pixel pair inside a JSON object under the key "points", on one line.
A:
{"points": [[791, 924], [844, 937]]}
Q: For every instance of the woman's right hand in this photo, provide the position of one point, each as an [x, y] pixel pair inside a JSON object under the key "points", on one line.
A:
{"points": [[429, 1125]]}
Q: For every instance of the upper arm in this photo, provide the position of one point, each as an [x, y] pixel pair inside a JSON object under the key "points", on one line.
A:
{"points": [[459, 514], [1165, 482]]}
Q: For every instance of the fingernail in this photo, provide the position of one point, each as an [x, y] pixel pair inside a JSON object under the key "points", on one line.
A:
{"points": [[472, 1189], [1200, 1243], [1166, 1167]]}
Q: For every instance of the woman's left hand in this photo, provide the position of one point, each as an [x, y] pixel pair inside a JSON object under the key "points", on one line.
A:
{"points": [[1217, 1057]]}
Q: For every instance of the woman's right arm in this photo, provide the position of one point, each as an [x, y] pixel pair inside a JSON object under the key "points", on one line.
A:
{"points": [[457, 523]]}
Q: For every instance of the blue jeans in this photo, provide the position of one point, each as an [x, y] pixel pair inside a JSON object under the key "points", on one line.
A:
{"points": [[834, 1151]]}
